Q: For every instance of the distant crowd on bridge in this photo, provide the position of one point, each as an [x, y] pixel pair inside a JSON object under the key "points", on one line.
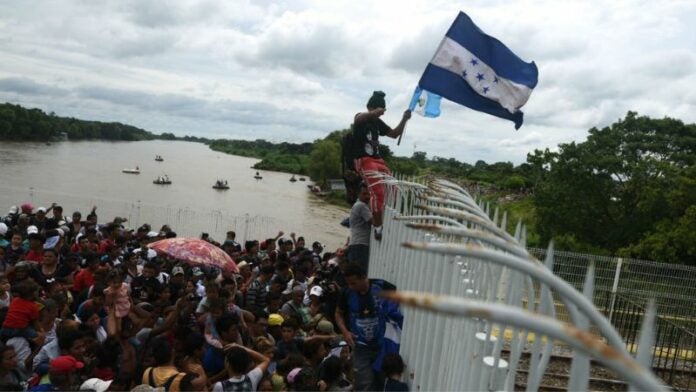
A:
{"points": [[88, 304]]}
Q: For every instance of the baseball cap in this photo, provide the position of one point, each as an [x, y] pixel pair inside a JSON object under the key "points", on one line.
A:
{"points": [[13, 210], [177, 271], [41, 209], [275, 319], [153, 234], [65, 364], [242, 264], [51, 242], [316, 290], [95, 384], [325, 326], [32, 230], [197, 271], [3, 228]]}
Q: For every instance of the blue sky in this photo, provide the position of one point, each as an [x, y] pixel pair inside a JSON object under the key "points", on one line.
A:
{"points": [[296, 70]]}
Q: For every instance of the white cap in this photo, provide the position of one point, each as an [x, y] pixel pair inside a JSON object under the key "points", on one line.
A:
{"points": [[316, 290], [32, 230], [41, 209], [95, 384], [13, 210], [3, 228], [153, 234]]}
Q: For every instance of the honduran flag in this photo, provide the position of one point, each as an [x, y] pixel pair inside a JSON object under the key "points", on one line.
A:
{"points": [[478, 71]]}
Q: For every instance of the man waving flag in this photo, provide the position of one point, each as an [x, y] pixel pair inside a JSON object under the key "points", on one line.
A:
{"points": [[475, 70]]}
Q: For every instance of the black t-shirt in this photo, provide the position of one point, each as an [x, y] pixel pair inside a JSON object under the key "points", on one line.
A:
{"points": [[366, 137], [146, 289]]}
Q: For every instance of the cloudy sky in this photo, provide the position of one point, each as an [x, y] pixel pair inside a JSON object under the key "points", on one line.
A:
{"points": [[296, 70]]}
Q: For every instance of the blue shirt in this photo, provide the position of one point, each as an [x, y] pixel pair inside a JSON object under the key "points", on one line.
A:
{"points": [[213, 360]]}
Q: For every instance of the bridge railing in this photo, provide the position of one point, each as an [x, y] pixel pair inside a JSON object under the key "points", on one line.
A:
{"points": [[476, 300]]}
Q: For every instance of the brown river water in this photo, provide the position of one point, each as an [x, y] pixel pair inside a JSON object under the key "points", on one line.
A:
{"points": [[78, 175]]}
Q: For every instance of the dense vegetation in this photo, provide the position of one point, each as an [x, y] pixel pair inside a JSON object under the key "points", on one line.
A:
{"points": [[18, 123], [629, 189], [285, 157]]}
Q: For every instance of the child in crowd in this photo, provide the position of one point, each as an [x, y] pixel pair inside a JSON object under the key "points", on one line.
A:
{"points": [[22, 318], [393, 368], [5, 296], [117, 298]]}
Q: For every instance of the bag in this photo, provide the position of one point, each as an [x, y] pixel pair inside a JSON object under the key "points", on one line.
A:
{"points": [[351, 178], [243, 385]]}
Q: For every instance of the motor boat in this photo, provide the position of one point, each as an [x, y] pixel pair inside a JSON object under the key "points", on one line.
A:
{"points": [[132, 171], [159, 158], [162, 180], [221, 185], [302, 179], [293, 179], [258, 176]]}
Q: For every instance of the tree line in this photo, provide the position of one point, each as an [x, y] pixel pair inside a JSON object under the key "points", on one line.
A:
{"points": [[628, 190], [19, 123]]}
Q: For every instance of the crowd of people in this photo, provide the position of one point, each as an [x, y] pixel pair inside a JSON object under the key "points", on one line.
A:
{"points": [[85, 304]]}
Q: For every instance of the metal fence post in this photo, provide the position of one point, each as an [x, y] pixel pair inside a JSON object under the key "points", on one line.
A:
{"points": [[615, 287]]}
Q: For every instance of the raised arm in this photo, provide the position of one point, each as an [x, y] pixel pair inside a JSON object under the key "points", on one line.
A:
{"points": [[261, 360], [394, 133]]}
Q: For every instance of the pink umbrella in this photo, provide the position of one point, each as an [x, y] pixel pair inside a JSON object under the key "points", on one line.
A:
{"points": [[195, 252]]}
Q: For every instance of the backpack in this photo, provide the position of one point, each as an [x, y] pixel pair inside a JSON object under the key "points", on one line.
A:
{"points": [[351, 179], [243, 385], [167, 384]]}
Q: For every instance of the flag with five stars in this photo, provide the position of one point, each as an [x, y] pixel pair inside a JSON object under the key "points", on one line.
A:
{"points": [[476, 70]]}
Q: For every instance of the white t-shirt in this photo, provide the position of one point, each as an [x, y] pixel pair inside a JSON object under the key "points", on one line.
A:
{"points": [[255, 376]]}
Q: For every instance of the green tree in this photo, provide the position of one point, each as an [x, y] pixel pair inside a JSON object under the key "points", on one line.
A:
{"points": [[615, 188], [325, 161]]}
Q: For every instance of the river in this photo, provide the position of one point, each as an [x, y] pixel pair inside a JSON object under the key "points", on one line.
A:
{"points": [[78, 175]]}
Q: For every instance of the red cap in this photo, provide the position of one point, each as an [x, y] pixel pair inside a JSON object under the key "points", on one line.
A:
{"points": [[65, 364]]}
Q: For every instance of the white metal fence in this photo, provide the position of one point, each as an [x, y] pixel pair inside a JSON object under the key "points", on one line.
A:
{"points": [[450, 259], [670, 285]]}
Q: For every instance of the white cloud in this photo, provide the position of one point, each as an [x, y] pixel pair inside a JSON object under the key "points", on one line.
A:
{"points": [[298, 70]]}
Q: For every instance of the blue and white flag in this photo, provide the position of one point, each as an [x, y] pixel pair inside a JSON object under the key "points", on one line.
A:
{"points": [[425, 103], [478, 71]]}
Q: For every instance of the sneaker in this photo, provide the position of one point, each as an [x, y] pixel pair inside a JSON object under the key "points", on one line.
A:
{"points": [[378, 233]]}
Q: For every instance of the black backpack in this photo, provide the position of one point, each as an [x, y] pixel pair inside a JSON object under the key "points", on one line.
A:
{"points": [[351, 179]]}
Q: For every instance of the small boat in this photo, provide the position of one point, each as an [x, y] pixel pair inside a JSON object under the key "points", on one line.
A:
{"points": [[132, 171], [317, 191], [221, 185], [303, 179], [159, 158], [258, 176], [162, 180], [293, 179]]}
